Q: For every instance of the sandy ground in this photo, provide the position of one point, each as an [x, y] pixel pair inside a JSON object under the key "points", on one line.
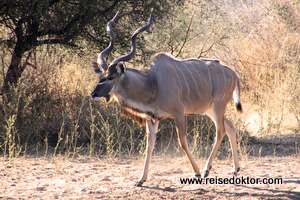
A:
{"points": [[93, 178]]}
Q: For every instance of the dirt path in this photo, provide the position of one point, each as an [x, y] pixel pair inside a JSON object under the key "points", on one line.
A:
{"points": [[91, 178]]}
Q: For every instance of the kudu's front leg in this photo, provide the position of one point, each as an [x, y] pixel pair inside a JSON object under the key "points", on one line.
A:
{"points": [[181, 130], [151, 129]]}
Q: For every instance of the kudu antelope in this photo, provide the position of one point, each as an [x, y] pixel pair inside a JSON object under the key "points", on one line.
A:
{"points": [[171, 88]]}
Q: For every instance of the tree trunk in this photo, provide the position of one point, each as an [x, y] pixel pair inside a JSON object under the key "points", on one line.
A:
{"points": [[14, 70]]}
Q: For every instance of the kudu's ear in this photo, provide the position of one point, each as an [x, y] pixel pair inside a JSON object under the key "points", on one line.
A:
{"points": [[97, 69], [121, 68]]}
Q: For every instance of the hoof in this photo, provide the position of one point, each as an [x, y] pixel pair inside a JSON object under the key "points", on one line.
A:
{"points": [[198, 175], [235, 173], [206, 173], [139, 184]]}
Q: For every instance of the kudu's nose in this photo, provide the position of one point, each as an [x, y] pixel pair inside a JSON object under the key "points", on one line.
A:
{"points": [[94, 95]]}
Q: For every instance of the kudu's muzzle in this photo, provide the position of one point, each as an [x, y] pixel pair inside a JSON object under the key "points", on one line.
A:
{"points": [[94, 94]]}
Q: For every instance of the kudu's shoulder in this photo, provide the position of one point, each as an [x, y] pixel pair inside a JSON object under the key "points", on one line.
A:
{"points": [[167, 60], [162, 56]]}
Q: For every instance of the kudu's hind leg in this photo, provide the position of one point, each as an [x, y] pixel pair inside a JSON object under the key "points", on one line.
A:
{"points": [[151, 129], [222, 126], [232, 138], [220, 132], [181, 130]]}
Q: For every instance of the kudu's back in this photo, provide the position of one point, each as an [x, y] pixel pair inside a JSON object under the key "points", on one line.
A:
{"points": [[190, 86]]}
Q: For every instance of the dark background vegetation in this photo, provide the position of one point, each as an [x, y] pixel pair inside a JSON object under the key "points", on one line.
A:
{"points": [[46, 78]]}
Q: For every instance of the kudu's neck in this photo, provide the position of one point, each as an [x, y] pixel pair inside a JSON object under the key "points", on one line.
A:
{"points": [[137, 86]]}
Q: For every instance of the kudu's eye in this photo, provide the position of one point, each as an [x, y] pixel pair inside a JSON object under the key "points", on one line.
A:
{"points": [[110, 78]]}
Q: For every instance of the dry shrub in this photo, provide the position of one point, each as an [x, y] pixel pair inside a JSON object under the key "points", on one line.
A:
{"points": [[268, 62]]}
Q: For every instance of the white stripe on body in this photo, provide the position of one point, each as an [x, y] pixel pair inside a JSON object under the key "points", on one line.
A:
{"points": [[187, 67], [224, 80], [185, 81]]}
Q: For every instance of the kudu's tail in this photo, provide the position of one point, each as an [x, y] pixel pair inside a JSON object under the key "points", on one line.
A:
{"points": [[236, 97]]}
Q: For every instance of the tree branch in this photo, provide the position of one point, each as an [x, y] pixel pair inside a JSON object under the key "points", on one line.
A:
{"points": [[82, 16], [186, 36], [55, 41]]}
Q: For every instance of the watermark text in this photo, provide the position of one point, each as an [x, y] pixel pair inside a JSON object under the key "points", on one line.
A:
{"points": [[233, 180]]}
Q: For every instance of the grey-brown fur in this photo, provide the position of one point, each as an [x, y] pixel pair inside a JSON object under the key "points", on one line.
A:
{"points": [[148, 96], [163, 86]]}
